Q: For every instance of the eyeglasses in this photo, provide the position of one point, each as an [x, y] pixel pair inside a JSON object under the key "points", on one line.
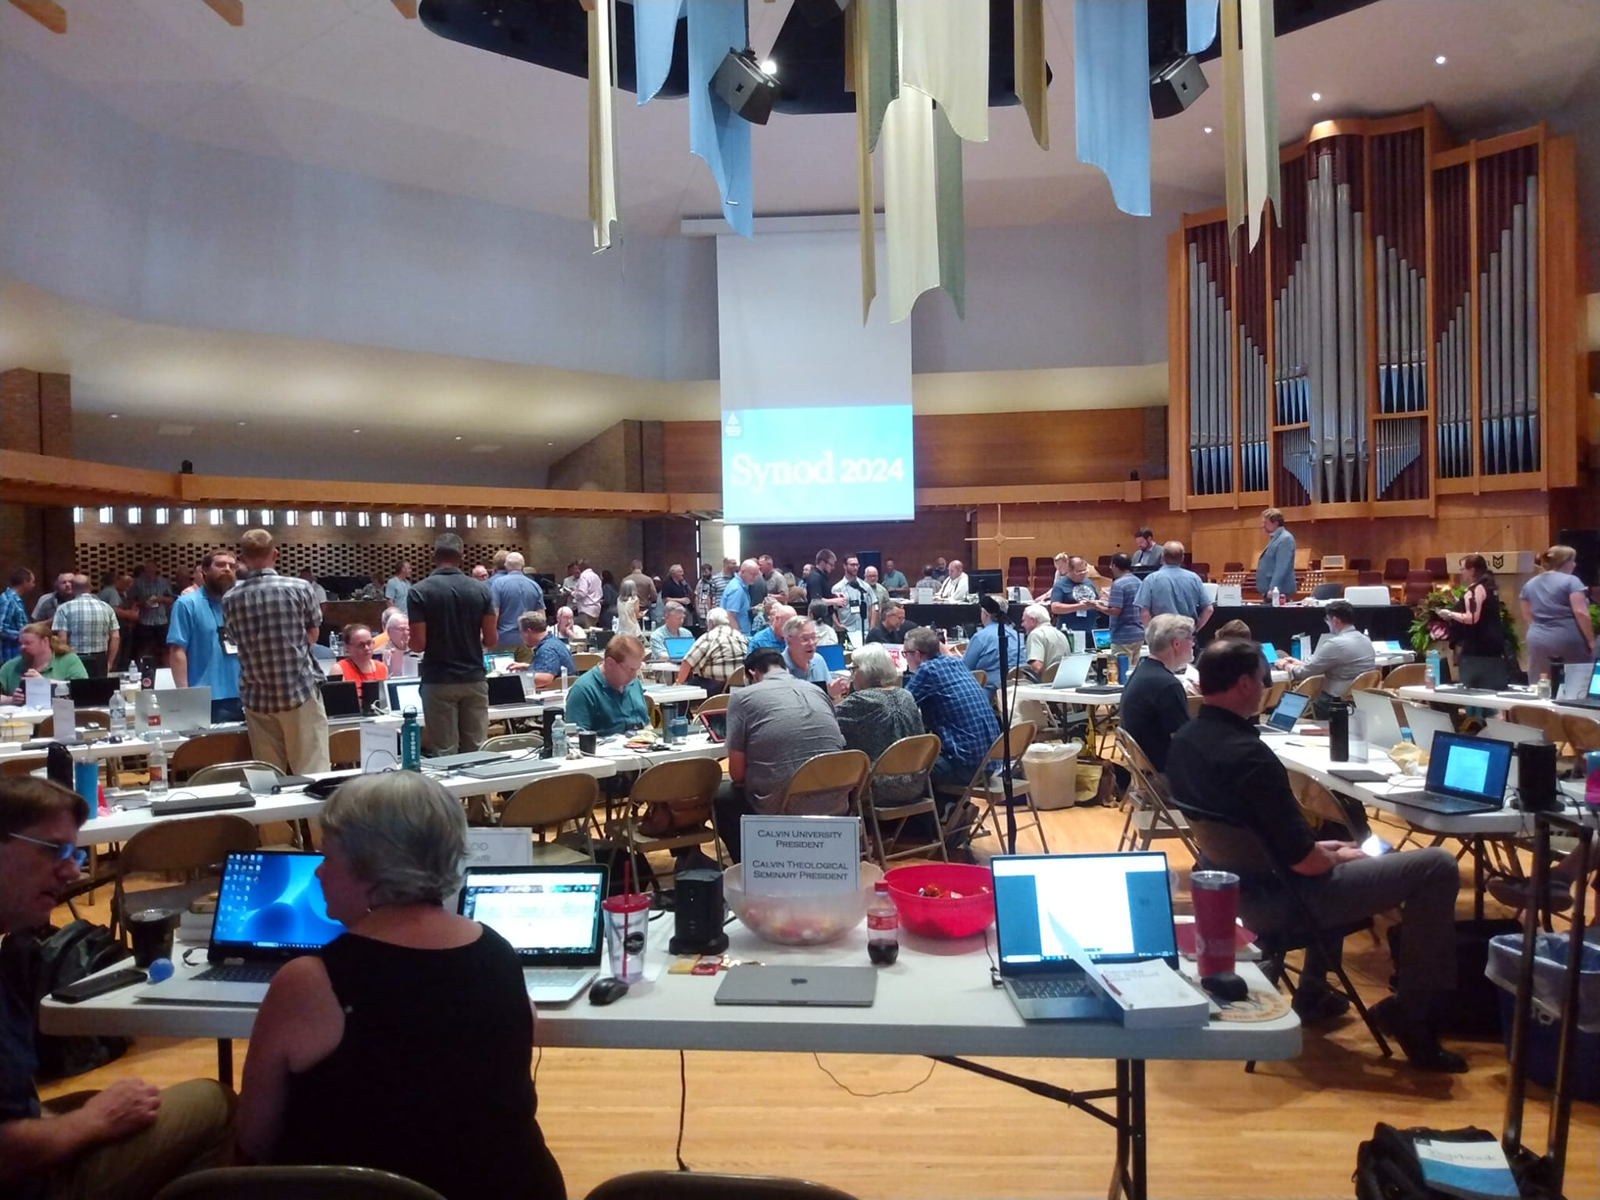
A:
{"points": [[60, 851]]}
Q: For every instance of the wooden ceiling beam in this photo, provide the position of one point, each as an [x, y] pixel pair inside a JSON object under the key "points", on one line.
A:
{"points": [[47, 12], [231, 11]]}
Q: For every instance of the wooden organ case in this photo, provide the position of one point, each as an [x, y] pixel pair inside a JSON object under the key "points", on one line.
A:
{"points": [[1408, 327]]}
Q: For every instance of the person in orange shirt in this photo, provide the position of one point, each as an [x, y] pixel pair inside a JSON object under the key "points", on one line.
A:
{"points": [[358, 665]]}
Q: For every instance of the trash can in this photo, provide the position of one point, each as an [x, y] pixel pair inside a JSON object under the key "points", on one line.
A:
{"points": [[1549, 985], [1051, 769]]}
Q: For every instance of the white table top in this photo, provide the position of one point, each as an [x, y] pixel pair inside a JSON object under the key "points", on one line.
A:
{"points": [[1494, 700], [937, 999], [34, 716], [1045, 694], [119, 826]]}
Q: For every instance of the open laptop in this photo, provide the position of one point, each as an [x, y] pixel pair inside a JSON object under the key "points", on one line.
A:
{"points": [[1115, 907], [677, 647], [404, 694], [341, 698], [184, 710], [550, 915], [1073, 671], [1269, 652], [494, 664], [506, 689], [1383, 729], [1426, 723], [1102, 639], [833, 656], [93, 693], [270, 909], [1285, 715], [1465, 775]]}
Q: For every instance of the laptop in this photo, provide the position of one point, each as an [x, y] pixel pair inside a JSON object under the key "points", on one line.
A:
{"points": [[833, 656], [506, 689], [677, 647], [1465, 775], [404, 694], [1387, 647], [1115, 907], [1102, 639], [494, 664], [799, 986], [716, 724], [270, 909], [550, 915], [341, 698], [184, 710], [1383, 729], [1577, 685], [1426, 723], [1073, 671], [93, 693], [467, 758], [1290, 708]]}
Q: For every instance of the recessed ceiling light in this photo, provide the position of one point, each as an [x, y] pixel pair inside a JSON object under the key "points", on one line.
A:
{"points": [[112, 416], [458, 437], [769, 66], [355, 431], [549, 443], [1316, 95], [1440, 61], [1208, 129], [242, 424]]}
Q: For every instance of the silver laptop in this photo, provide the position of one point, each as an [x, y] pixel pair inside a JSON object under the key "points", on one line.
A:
{"points": [[1114, 907], [404, 694], [186, 710], [800, 986], [1073, 671], [552, 918], [1377, 709], [269, 909], [1290, 708], [1425, 722]]}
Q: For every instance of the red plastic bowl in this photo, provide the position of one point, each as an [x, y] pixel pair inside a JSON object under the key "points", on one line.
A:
{"points": [[944, 916]]}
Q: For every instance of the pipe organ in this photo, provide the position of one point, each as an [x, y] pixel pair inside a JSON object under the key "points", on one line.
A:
{"points": [[1407, 327]]}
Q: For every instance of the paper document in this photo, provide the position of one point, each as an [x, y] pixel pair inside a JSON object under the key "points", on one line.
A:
{"points": [[1149, 995]]}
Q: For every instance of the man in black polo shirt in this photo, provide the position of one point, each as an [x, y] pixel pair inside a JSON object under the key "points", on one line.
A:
{"points": [[817, 585], [891, 627], [1220, 769], [1154, 705], [452, 624]]}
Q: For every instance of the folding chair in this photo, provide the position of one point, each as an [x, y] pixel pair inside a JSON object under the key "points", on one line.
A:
{"points": [[711, 1185], [344, 748], [513, 741], [207, 750], [586, 659], [829, 785], [228, 772], [987, 791], [544, 806], [713, 704], [1406, 675], [688, 787], [736, 680], [1366, 681], [1311, 686], [193, 846], [907, 757], [1151, 814]]}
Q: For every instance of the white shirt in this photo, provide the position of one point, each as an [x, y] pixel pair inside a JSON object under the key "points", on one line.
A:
{"points": [[954, 587]]}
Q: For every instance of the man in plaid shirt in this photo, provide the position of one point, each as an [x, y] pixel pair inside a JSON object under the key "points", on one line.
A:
{"points": [[956, 709], [270, 621], [91, 627], [715, 655], [14, 612]]}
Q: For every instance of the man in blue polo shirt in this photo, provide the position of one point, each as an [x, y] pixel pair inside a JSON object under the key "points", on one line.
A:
{"points": [[983, 651], [1173, 589], [736, 596], [607, 699], [196, 651]]}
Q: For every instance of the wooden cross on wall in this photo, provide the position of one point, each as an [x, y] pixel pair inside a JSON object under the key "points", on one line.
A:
{"points": [[1000, 537]]}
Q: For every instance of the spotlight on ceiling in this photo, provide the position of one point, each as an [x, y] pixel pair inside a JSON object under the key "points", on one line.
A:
{"points": [[745, 87]]}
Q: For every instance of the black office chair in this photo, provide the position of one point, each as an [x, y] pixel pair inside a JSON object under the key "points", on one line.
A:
{"points": [[1233, 847], [295, 1183], [1327, 591]]}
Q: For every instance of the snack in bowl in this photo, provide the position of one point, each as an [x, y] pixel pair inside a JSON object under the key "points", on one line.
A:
{"points": [[943, 900], [800, 920]]}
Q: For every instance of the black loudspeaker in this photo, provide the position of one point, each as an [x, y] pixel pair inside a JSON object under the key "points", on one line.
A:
{"points": [[1587, 543], [1536, 777], [699, 912], [1175, 86], [744, 87]]}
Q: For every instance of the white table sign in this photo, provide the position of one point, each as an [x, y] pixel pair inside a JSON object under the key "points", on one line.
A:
{"points": [[800, 856], [65, 719], [1230, 595], [380, 746], [36, 694], [498, 848]]}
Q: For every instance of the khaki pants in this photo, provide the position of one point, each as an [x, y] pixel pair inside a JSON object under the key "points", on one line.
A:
{"points": [[193, 1131], [457, 715], [1131, 649], [295, 740]]}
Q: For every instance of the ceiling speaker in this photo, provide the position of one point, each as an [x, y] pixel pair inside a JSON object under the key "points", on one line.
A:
{"points": [[1175, 86]]}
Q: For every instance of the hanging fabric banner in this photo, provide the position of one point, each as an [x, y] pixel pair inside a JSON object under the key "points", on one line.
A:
{"points": [[602, 123], [1028, 66], [1111, 88], [872, 72], [1201, 16], [716, 134], [944, 51], [655, 28], [1232, 119], [1258, 32], [922, 204]]}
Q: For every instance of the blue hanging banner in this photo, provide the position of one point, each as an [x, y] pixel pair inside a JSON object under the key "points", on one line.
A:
{"points": [[1202, 18], [1111, 82], [655, 27], [716, 134]]}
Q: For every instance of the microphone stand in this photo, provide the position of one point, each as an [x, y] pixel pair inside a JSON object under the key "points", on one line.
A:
{"points": [[1000, 613]]}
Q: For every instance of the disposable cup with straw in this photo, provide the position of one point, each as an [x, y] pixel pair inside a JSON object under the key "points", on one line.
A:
{"points": [[627, 928]]}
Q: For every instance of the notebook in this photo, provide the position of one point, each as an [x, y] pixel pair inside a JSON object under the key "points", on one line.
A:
{"points": [[550, 915], [1465, 775], [269, 909], [1115, 908], [677, 647]]}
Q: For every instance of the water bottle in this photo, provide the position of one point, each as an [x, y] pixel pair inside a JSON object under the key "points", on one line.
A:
{"points": [[1339, 732], [119, 715], [558, 740], [1302, 647], [1543, 691], [410, 741], [883, 927], [336, 644], [157, 761], [1272, 597], [152, 718], [569, 738], [1430, 677]]}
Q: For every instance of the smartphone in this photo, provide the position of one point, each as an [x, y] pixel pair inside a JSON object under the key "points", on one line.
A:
{"points": [[98, 985], [1375, 846]]}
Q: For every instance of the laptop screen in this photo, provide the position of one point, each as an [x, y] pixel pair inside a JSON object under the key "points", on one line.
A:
{"points": [[833, 656], [341, 698], [1269, 652], [1102, 639], [1594, 680], [93, 692], [505, 689], [270, 905], [404, 694], [1290, 707], [549, 914], [1038, 897], [677, 647], [1469, 766], [1072, 672]]}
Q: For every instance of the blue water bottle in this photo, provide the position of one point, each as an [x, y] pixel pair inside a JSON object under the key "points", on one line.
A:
{"points": [[410, 742], [1431, 676]]}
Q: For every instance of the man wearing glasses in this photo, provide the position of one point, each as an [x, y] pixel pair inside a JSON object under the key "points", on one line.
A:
{"points": [[127, 1140]]}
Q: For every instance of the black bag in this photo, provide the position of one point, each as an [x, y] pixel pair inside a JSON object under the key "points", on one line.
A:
{"points": [[1472, 1013], [37, 965], [1387, 1167]]}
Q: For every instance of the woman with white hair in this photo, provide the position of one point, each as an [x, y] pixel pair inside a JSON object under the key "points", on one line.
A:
{"points": [[405, 1045], [877, 713], [569, 631], [628, 604]]}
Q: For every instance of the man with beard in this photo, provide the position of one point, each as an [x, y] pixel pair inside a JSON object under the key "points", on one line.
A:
{"points": [[196, 652]]}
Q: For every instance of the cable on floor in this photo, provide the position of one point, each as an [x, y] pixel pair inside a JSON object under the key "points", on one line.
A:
{"points": [[683, 1108]]}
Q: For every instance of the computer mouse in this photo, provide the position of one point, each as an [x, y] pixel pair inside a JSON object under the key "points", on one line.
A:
{"points": [[606, 989], [1225, 987]]}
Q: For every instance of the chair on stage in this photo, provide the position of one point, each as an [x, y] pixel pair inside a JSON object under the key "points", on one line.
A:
{"points": [[1395, 570], [1017, 572], [1369, 578], [1437, 568]]}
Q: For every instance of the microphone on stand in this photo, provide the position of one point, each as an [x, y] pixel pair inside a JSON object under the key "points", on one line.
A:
{"points": [[1000, 613]]}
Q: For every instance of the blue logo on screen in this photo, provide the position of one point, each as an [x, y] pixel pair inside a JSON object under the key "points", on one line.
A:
{"points": [[819, 464]]}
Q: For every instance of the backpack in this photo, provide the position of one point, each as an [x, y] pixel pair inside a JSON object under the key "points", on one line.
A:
{"points": [[1387, 1167], [37, 965]]}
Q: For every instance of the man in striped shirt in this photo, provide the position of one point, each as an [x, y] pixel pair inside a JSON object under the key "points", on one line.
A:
{"points": [[271, 621]]}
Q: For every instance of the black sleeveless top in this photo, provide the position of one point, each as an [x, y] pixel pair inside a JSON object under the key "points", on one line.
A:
{"points": [[1486, 639], [432, 1078]]}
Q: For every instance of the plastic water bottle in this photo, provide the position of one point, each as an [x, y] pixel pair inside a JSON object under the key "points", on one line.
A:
{"points": [[152, 718], [119, 715], [157, 761], [558, 740], [1430, 677], [1544, 686], [410, 741], [1272, 597], [336, 644], [883, 926], [569, 737]]}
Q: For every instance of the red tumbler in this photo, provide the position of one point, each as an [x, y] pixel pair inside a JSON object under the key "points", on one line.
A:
{"points": [[1216, 913]]}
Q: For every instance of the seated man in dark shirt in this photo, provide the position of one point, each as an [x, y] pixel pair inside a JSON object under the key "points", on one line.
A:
{"points": [[1221, 771], [1154, 706], [128, 1140], [891, 627]]}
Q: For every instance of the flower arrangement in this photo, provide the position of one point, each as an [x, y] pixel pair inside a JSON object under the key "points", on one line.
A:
{"points": [[1428, 628]]}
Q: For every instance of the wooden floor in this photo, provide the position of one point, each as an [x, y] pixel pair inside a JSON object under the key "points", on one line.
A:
{"points": [[1290, 1130]]}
